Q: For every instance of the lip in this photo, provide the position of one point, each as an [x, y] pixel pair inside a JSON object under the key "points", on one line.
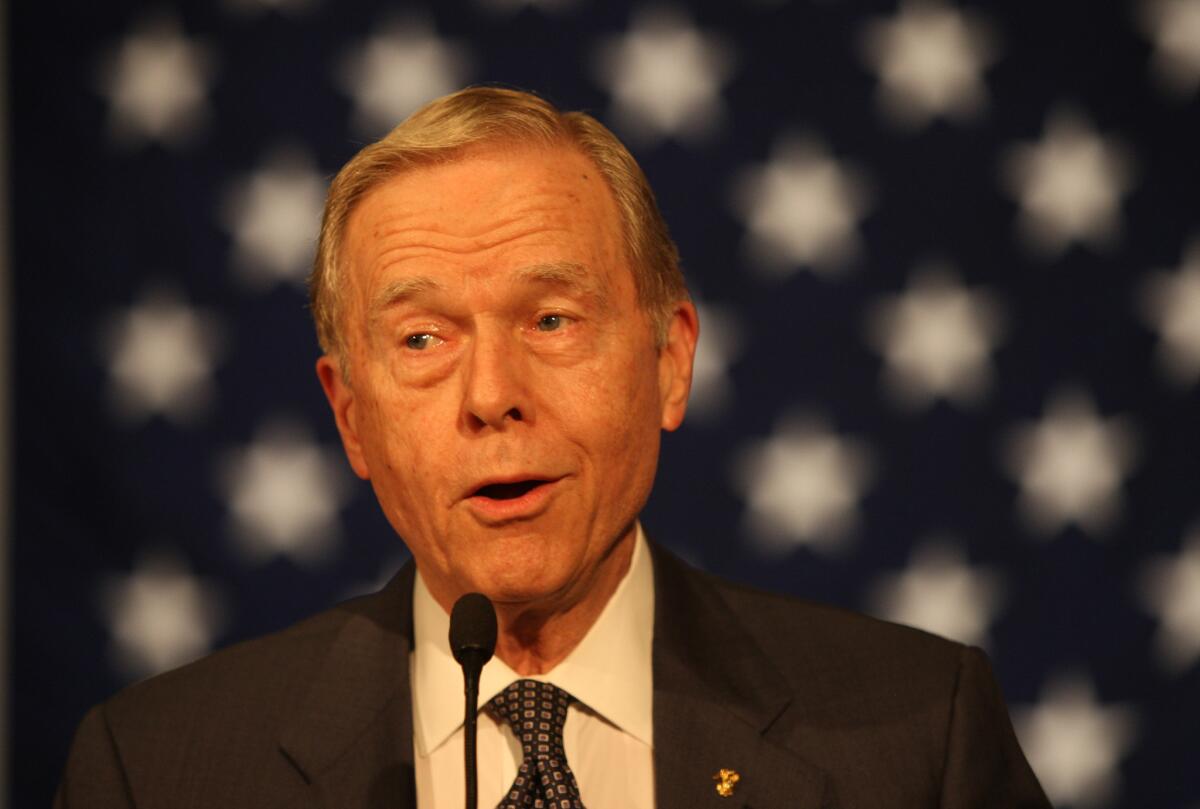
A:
{"points": [[528, 505]]}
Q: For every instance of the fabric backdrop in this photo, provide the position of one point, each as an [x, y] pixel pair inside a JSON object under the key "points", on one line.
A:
{"points": [[948, 263]]}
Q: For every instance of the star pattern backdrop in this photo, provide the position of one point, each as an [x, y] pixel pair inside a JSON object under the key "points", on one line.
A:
{"points": [[947, 258]]}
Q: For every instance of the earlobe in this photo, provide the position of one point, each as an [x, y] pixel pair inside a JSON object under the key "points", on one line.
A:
{"points": [[675, 364], [342, 402]]}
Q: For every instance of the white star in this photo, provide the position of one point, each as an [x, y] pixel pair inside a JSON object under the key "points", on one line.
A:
{"points": [[1174, 25], [274, 215], [940, 593], [1069, 186], [720, 343], [161, 354], [397, 70], [156, 83], [802, 486], [1070, 465], [1171, 304], [936, 338], [801, 208], [1171, 590], [929, 59], [159, 616], [284, 493], [665, 77], [1074, 744]]}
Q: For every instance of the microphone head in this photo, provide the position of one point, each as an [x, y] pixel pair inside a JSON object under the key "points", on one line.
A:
{"points": [[473, 630]]}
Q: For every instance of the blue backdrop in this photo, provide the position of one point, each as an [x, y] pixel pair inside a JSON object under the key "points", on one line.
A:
{"points": [[948, 263]]}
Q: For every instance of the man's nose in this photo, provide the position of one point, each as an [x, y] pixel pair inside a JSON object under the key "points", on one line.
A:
{"points": [[495, 392]]}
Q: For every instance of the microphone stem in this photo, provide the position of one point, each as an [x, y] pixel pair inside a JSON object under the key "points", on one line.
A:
{"points": [[469, 723]]}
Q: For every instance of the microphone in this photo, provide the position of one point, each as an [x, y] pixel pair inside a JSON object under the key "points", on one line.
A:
{"points": [[472, 641]]}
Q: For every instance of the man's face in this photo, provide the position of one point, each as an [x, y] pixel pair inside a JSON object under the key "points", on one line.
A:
{"points": [[506, 393]]}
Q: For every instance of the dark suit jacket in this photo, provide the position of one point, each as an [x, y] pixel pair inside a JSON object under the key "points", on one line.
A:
{"points": [[812, 706]]}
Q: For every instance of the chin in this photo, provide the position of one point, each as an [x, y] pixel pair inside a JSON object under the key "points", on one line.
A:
{"points": [[535, 580], [514, 588]]}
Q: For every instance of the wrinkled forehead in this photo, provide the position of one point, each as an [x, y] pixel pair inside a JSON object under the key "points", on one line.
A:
{"points": [[498, 172], [548, 205]]}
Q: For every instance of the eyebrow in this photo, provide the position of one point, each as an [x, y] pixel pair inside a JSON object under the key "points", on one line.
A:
{"points": [[401, 290], [567, 274], [572, 278]]}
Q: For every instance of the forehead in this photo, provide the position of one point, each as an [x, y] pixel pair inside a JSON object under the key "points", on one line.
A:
{"points": [[491, 206]]}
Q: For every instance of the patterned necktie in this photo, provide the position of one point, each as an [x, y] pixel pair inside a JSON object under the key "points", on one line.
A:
{"points": [[536, 711]]}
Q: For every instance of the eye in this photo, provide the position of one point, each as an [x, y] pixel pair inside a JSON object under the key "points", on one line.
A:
{"points": [[550, 322], [420, 342]]}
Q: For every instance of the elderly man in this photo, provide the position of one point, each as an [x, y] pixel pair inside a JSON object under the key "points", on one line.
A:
{"points": [[506, 332]]}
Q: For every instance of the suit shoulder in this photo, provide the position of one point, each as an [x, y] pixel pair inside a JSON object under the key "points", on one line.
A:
{"points": [[842, 688], [829, 628], [853, 661], [209, 733], [261, 677]]}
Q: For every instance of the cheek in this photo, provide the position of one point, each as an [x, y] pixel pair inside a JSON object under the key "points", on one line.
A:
{"points": [[402, 442], [410, 484], [620, 407]]}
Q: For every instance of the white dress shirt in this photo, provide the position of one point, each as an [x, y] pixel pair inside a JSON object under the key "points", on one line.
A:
{"points": [[609, 743]]}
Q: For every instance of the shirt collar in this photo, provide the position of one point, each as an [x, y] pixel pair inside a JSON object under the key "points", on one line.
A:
{"points": [[610, 670]]}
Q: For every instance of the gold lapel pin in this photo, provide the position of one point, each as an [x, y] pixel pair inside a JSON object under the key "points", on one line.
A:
{"points": [[726, 779]]}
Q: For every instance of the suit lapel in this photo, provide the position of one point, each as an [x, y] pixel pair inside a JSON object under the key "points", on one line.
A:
{"points": [[352, 739], [716, 698]]}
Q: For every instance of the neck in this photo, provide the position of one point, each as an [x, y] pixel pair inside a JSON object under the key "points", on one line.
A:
{"points": [[533, 639]]}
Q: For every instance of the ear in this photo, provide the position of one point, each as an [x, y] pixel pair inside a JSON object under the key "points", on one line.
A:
{"points": [[345, 413], [675, 364]]}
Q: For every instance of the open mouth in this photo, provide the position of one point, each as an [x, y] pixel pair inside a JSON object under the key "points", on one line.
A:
{"points": [[508, 491]]}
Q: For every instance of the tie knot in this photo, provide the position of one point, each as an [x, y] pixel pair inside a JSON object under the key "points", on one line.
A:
{"points": [[537, 711], [534, 709]]}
